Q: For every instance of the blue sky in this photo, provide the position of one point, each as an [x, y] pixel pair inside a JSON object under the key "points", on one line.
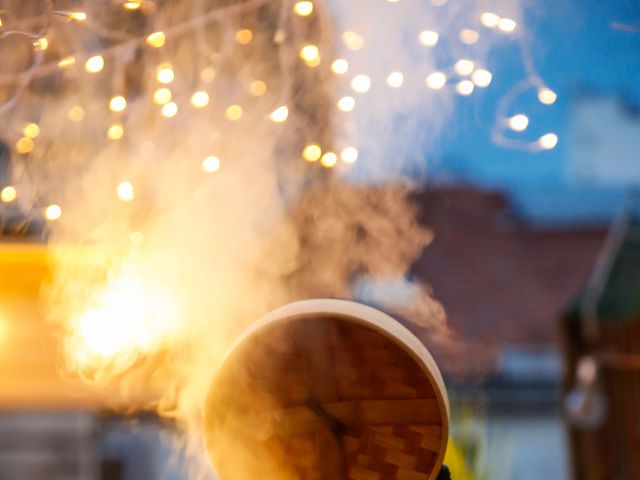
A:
{"points": [[577, 46]]}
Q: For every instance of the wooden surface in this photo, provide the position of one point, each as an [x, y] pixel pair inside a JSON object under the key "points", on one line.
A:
{"points": [[327, 389]]}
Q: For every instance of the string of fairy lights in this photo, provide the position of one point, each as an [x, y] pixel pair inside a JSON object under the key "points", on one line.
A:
{"points": [[463, 78]]}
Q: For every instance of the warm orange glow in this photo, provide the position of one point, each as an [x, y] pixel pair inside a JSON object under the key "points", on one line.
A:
{"points": [[257, 88], [127, 319], [200, 99], [126, 192], [162, 95], [280, 114], [94, 64], [304, 8], [118, 103], [53, 212], [211, 164], [115, 132], [233, 113], [24, 145], [244, 36], [31, 130], [8, 194], [67, 62], [312, 153], [157, 39]]}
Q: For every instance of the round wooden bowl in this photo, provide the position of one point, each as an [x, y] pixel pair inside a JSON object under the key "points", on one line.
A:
{"points": [[327, 389]]}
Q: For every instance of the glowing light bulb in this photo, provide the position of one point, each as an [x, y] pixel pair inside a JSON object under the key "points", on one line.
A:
{"points": [[134, 5], [164, 73], [547, 96], [24, 145], [8, 194], [31, 130], [76, 113], [507, 25], [518, 122], [469, 37], [53, 212], [395, 79], [115, 132], [280, 114], [41, 44], [349, 155], [162, 95], [436, 80], [125, 191], [156, 39], [118, 104], [211, 164], [78, 16], [340, 66], [67, 62], [352, 40], [548, 141], [329, 159], [361, 83], [346, 104], [429, 38], [464, 67], [244, 36], [94, 64], [489, 19], [311, 55], [233, 113], [257, 88], [481, 78], [200, 99], [465, 87], [304, 9], [169, 110], [312, 153]]}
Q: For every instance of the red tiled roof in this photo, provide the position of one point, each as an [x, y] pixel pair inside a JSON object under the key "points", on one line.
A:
{"points": [[501, 282]]}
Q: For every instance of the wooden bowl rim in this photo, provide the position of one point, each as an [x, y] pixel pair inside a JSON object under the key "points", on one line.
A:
{"points": [[364, 315]]}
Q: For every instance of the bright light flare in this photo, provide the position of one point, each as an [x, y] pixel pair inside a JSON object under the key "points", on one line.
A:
{"points": [[164, 73], [361, 83], [436, 80], [312, 153], [489, 19], [481, 78], [156, 39], [465, 88], [346, 104], [8, 194], [548, 141], [31, 130], [211, 164], [94, 64], [126, 192], [127, 319], [340, 66], [310, 54], [349, 155], [547, 96], [169, 110], [395, 79], [200, 99], [428, 38], [53, 212], [507, 25], [329, 160], [162, 95], [518, 122], [118, 103], [464, 67], [304, 9], [280, 114]]}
